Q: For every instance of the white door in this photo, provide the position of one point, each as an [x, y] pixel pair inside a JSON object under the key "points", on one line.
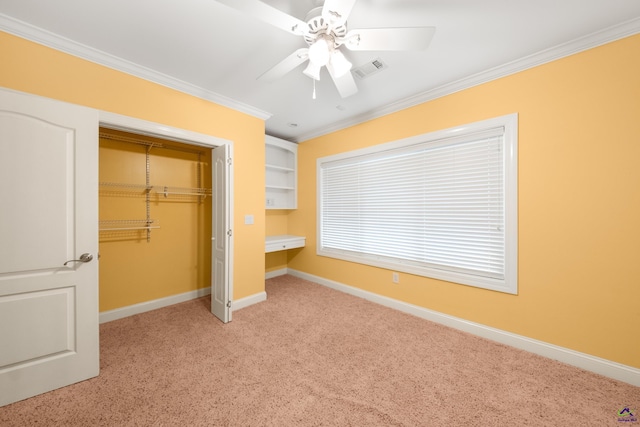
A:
{"points": [[48, 216], [221, 283]]}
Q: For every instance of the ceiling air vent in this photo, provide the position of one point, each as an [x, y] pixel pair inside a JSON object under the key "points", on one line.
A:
{"points": [[370, 68]]}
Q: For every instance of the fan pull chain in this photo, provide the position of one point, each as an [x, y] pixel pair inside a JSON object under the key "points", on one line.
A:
{"points": [[314, 88]]}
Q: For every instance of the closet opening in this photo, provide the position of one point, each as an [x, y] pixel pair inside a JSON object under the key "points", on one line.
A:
{"points": [[158, 210]]}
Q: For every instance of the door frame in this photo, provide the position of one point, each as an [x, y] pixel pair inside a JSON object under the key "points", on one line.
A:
{"points": [[144, 127]]}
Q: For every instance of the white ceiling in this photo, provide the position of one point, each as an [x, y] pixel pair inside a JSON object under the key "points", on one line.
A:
{"points": [[213, 51]]}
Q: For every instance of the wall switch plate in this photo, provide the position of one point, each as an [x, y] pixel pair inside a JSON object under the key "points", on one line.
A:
{"points": [[395, 277], [248, 219]]}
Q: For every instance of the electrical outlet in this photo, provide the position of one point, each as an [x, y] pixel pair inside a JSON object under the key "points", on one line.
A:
{"points": [[395, 277]]}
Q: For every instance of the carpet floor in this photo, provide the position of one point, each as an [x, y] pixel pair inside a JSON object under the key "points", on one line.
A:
{"points": [[312, 356]]}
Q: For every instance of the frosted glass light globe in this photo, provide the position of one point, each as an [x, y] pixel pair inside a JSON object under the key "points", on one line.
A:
{"points": [[319, 52]]}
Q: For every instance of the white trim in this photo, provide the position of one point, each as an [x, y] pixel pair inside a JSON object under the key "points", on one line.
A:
{"points": [[241, 303], [275, 273], [572, 47], [145, 127], [63, 44], [584, 361], [143, 307]]}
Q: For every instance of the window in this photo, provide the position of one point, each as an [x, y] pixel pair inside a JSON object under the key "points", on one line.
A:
{"points": [[440, 205]]}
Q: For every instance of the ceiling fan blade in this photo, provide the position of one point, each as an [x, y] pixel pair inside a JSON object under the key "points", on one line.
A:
{"points": [[268, 14], [337, 10], [286, 65], [345, 84], [415, 38]]}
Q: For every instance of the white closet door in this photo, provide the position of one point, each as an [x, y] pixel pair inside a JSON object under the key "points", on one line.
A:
{"points": [[221, 288], [48, 219]]}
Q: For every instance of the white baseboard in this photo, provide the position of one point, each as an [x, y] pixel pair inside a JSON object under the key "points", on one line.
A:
{"points": [[247, 301], [119, 313], [584, 361], [276, 273]]}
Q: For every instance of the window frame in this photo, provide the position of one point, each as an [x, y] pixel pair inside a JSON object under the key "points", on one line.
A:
{"points": [[509, 284]]}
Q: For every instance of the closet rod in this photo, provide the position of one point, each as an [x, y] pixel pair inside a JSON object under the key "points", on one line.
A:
{"points": [[176, 193], [182, 191]]}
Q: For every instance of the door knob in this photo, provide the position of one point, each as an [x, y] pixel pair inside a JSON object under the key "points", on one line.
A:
{"points": [[86, 257]]}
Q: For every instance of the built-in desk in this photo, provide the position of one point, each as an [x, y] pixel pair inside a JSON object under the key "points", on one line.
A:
{"points": [[283, 242]]}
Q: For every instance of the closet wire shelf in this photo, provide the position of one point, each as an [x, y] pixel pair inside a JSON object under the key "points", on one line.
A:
{"points": [[128, 224], [160, 190], [148, 191]]}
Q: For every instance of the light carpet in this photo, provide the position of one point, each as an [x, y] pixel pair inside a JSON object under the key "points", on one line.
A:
{"points": [[312, 356]]}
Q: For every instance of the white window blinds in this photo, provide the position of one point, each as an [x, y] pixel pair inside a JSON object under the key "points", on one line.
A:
{"points": [[437, 205]]}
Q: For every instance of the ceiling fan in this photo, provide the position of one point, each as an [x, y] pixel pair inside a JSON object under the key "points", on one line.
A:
{"points": [[325, 32]]}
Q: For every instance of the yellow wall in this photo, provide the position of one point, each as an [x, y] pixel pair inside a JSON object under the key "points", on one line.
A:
{"points": [[579, 202], [277, 222], [32, 68], [172, 259]]}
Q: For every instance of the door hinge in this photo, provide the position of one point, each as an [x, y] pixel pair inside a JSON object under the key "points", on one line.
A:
{"points": [[229, 304], [229, 233]]}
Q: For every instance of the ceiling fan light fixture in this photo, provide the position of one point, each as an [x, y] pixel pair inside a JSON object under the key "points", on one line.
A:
{"points": [[339, 64], [312, 70], [320, 52]]}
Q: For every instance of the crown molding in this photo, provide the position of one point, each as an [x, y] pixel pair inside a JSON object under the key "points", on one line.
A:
{"points": [[580, 44], [63, 44]]}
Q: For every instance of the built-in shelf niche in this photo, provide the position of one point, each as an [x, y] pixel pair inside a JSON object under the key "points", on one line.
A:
{"points": [[281, 173]]}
